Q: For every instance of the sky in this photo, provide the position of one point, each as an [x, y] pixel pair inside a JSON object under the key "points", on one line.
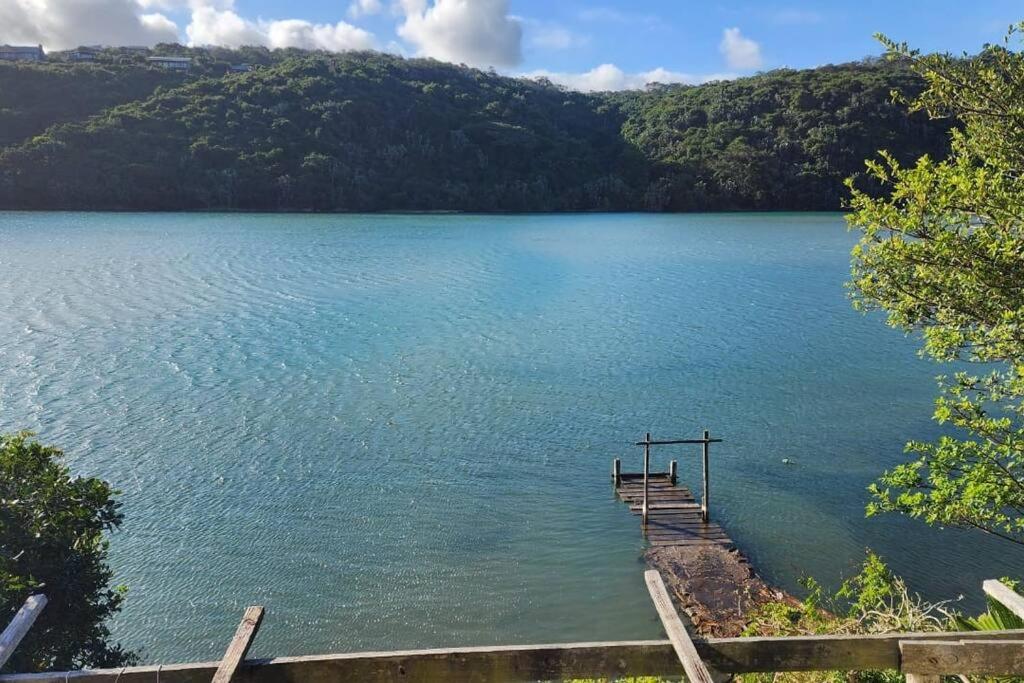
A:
{"points": [[583, 44]]}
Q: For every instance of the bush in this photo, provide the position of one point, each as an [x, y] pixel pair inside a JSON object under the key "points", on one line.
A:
{"points": [[52, 541]]}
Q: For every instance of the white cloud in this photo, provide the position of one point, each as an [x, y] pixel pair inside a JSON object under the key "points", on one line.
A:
{"points": [[224, 27], [362, 8], [160, 24], [740, 52], [610, 77], [61, 24], [210, 26], [337, 37], [475, 32]]}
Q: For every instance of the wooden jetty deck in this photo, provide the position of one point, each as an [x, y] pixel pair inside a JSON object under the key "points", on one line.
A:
{"points": [[674, 515], [704, 571]]}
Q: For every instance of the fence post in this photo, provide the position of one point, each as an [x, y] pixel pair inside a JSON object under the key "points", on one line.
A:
{"points": [[647, 468], [704, 497], [616, 472], [672, 471], [923, 678]]}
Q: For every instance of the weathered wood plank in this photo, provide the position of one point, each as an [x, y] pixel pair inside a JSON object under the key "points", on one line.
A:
{"points": [[546, 662], [696, 671], [978, 657], [704, 504], [239, 645], [655, 507], [821, 653], [523, 663], [671, 442], [1003, 595], [20, 625], [655, 476]]}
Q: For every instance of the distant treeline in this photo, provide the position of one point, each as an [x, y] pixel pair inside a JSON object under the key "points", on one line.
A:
{"points": [[370, 131]]}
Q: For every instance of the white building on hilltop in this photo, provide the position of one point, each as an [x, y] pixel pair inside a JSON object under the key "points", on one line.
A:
{"points": [[22, 53], [173, 63]]}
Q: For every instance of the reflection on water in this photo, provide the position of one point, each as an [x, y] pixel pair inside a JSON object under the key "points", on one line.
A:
{"points": [[396, 431]]}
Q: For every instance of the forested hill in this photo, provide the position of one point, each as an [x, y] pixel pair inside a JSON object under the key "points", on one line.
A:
{"points": [[368, 131]]}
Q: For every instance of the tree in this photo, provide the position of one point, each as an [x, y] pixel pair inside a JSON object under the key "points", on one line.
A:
{"points": [[363, 131], [52, 541], [943, 254]]}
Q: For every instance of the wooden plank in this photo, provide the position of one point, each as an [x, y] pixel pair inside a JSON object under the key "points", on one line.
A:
{"points": [[704, 505], [657, 492], [239, 645], [978, 657], [655, 496], [671, 506], [647, 477], [546, 662], [629, 476], [696, 671], [671, 442], [20, 625], [1004, 596], [821, 653]]}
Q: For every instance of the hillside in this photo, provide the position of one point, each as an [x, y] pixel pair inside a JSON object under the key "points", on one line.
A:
{"points": [[784, 139], [369, 131], [35, 97]]}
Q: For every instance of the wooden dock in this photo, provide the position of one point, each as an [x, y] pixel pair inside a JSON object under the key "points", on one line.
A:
{"points": [[674, 516], [704, 572]]}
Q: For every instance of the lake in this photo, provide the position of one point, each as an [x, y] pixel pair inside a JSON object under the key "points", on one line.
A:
{"points": [[397, 431]]}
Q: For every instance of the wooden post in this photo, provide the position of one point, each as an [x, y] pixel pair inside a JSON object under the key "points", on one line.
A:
{"points": [[1004, 596], [704, 496], [19, 626], [926, 660], [915, 677], [672, 471], [616, 472], [696, 670], [239, 645], [923, 678], [647, 468]]}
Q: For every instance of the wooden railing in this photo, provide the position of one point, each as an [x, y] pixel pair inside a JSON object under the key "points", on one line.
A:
{"points": [[922, 656]]}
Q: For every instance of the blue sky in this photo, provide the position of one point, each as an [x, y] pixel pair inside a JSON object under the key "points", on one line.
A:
{"points": [[590, 45], [684, 35]]}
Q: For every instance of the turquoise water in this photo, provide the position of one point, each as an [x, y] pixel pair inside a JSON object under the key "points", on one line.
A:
{"points": [[396, 431]]}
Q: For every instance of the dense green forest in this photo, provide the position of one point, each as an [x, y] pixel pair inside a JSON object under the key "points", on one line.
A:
{"points": [[370, 131]]}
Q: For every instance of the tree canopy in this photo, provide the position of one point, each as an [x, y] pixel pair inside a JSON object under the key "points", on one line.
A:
{"points": [[52, 541], [369, 131], [942, 253]]}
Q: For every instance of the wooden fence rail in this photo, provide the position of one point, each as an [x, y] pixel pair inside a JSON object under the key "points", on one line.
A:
{"points": [[544, 662], [20, 625]]}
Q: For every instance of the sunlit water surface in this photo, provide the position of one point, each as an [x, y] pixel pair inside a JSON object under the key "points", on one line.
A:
{"points": [[396, 431]]}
